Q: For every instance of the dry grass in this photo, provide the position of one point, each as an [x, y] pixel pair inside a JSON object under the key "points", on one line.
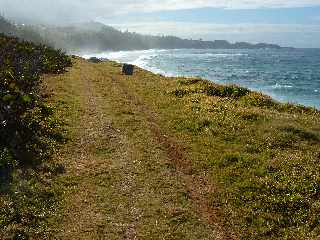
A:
{"points": [[262, 155], [151, 157], [122, 179]]}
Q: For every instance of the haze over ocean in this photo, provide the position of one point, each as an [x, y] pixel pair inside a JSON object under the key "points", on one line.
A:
{"points": [[288, 75]]}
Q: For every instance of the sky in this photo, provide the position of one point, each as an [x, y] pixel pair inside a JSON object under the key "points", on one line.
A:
{"points": [[293, 23]]}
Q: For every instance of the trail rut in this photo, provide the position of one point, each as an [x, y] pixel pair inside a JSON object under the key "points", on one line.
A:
{"points": [[126, 178]]}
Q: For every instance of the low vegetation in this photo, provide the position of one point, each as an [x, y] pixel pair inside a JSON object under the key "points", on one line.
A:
{"points": [[28, 131], [262, 154], [25, 118], [146, 152]]}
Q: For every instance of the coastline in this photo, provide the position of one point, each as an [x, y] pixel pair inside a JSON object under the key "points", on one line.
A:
{"points": [[153, 156], [154, 60], [228, 159]]}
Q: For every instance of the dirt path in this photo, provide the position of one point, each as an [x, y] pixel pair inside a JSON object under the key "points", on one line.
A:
{"points": [[126, 178], [197, 186]]}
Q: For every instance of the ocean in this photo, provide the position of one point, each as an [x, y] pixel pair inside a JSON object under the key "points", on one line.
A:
{"points": [[287, 75]]}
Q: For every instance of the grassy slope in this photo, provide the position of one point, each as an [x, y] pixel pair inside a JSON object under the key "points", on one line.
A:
{"points": [[159, 158]]}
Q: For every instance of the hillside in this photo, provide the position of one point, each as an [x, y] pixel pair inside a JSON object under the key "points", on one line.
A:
{"points": [[88, 153], [151, 157], [95, 36], [6, 27], [25, 32]]}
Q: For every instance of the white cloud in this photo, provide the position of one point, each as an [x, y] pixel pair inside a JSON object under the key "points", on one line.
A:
{"points": [[155, 5], [184, 28], [62, 11], [284, 34], [59, 10]]}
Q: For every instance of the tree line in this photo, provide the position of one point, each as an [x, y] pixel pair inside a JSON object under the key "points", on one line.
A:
{"points": [[93, 36]]}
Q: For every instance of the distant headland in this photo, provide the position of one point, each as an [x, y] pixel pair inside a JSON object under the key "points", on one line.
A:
{"points": [[97, 37]]}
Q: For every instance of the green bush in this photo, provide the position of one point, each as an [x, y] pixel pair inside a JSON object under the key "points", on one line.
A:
{"points": [[226, 91], [180, 93], [25, 134], [190, 81]]}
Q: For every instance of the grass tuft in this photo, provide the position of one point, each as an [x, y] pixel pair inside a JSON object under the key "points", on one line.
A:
{"points": [[226, 91]]}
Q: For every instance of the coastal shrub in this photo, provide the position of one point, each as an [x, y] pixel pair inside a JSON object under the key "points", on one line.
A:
{"points": [[251, 117], [295, 108], [265, 155], [26, 129], [301, 133], [230, 159], [29, 133], [226, 91], [190, 81], [258, 100], [94, 60], [180, 93], [289, 137], [195, 127]]}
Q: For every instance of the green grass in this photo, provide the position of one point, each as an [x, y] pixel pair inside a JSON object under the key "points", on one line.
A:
{"points": [[119, 181], [262, 154]]}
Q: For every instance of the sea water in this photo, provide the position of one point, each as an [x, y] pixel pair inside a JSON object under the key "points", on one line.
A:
{"points": [[287, 75]]}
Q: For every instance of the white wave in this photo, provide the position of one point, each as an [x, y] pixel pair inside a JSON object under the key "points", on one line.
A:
{"points": [[279, 86], [140, 58], [226, 54], [203, 55], [144, 62]]}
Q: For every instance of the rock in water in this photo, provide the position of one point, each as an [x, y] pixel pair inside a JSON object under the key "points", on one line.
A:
{"points": [[127, 69]]}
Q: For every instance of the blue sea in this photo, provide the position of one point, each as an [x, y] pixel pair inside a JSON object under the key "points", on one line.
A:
{"points": [[288, 75]]}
